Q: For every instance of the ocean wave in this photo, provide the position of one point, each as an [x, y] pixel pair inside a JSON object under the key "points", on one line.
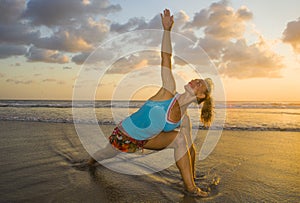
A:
{"points": [[69, 104], [138, 104], [109, 122]]}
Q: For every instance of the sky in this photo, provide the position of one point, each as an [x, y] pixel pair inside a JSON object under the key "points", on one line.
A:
{"points": [[46, 47]]}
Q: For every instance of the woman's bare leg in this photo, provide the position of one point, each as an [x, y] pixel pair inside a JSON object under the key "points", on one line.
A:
{"points": [[193, 157], [177, 140], [186, 128], [105, 153]]}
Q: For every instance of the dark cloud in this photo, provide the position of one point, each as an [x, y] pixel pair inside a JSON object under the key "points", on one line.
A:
{"points": [[73, 26], [65, 12], [8, 50], [80, 58], [11, 10], [291, 35], [48, 56], [18, 33]]}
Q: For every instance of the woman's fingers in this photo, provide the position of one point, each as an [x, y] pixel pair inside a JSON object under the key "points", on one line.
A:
{"points": [[167, 12], [167, 20]]}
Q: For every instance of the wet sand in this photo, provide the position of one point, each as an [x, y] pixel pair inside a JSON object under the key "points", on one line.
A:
{"points": [[37, 164]]}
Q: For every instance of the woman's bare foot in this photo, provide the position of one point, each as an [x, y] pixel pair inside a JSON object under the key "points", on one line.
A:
{"points": [[196, 192], [91, 162]]}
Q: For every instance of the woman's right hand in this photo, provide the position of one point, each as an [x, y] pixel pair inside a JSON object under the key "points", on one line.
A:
{"points": [[167, 20]]}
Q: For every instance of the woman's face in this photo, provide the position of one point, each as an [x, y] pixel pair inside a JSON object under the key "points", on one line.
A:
{"points": [[197, 87]]}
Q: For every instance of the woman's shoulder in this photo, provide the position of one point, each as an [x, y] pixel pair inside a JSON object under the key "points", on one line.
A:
{"points": [[162, 95]]}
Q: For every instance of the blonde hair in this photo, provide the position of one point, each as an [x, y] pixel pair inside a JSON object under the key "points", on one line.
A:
{"points": [[207, 109]]}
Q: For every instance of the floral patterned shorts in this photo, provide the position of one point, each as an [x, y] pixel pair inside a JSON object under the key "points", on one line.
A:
{"points": [[125, 143]]}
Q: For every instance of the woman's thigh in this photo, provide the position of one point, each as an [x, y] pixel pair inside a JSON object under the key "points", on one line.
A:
{"points": [[161, 141]]}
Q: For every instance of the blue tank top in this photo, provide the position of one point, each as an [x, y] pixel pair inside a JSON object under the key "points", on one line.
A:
{"points": [[150, 120]]}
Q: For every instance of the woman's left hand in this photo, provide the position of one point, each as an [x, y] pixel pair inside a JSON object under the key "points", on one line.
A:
{"points": [[167, 20]]}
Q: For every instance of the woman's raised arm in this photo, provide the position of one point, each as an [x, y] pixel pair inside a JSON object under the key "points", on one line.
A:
{"points": [[168, 82]]}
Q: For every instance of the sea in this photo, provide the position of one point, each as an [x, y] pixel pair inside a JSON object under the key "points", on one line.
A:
{"points": [[42, 159], [232, 115]]}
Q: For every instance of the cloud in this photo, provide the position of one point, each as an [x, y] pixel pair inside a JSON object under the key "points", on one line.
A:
{"points": [[24, 82], [13, 28], [75, 28], [244, 13], [15, 64], [63, 41], [60, 82], [225, 44], [76, 39], [218, 31], [224, 23], [93, 31], [291, 35], [213, 47], [7, 50], [99, 55], [10, 11], [71, 26], [49, 56], [249, 61], [51, 80], [199, 20], [64, 12], [80, 58], [134, 62], [17, 34], [132, 24]]}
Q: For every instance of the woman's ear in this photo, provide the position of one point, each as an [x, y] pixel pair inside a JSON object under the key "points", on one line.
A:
{"points": [[200, 96]]}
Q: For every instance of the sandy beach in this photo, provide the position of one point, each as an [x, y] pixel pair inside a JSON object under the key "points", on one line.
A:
{"points": [[37, 165]]}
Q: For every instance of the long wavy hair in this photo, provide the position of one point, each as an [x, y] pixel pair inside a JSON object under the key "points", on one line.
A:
{"points": [[207, 110]]}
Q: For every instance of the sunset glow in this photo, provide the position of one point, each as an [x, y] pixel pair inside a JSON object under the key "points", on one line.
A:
{"points": [[254, 46]]}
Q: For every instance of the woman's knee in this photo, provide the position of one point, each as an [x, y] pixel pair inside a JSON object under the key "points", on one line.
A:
{"points": [[180, 141]]}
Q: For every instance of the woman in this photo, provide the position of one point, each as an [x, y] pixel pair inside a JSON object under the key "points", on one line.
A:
{"points": [[153, 125]]}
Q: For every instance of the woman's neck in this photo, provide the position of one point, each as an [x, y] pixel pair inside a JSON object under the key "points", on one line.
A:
{"points": [[185, 100]]}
